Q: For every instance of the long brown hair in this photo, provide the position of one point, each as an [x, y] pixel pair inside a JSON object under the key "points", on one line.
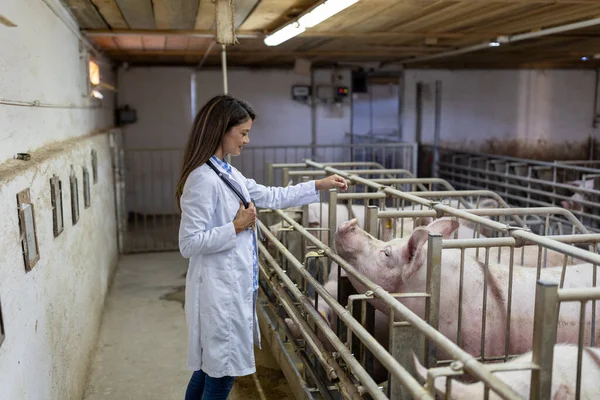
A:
{"points": [[213, 121]]}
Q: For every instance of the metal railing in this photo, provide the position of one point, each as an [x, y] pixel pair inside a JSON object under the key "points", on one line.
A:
{"points": [[513, 238], [528, 183], [151, 176]]}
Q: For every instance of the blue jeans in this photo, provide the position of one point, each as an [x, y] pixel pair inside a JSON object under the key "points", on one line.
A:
{"points": [[203, 387]]}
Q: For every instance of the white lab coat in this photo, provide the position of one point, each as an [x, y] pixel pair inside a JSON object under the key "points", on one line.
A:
{"points": [[219, 300]]}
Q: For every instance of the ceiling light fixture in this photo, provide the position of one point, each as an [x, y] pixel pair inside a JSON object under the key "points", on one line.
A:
{"points": [[494, 44], [312, 18], [584, 58]]}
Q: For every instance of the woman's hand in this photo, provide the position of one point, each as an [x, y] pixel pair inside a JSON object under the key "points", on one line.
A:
{"points": [[333, 181], [245, 218]]}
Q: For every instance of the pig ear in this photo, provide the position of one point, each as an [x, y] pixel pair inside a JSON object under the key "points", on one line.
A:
{"points": [[417, 239], [444, 226]]}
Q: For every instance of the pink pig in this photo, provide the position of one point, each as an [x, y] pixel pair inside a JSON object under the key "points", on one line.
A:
{"points": [[399, 266], [564, 377]]}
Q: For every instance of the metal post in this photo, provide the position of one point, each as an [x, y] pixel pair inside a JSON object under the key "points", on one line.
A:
{"points": [[333, 193], [224, 68], [404, 339], [371, 220], [270, 174], [285, 175], [432, 304], [544, 337], [436, 137]]}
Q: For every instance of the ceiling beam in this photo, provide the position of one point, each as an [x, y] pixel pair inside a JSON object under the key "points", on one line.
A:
{"points": [[341, 35], [177, 53]]}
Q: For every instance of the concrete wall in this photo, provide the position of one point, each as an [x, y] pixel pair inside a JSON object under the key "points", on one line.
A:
{"points": [[41, 60], [545, 114], [52, 313]]}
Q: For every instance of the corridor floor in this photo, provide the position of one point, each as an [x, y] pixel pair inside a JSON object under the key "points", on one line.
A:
{"points": [[141, 349]]}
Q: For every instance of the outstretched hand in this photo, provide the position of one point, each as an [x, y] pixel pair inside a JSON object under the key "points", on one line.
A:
{"points": [[331, 182]]}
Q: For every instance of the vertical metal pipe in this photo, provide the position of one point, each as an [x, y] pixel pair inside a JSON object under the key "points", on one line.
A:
{"points": [[224, 68], [401, 105], [193, 105], [313, 113], [436, 137], [270, 174], [580, 349], [285, 175], [432, 304], [544, 337], [332, 216], [371, 221]]}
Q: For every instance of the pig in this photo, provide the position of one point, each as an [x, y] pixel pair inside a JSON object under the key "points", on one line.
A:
{"points": [[575, 202], [399, 266], [564, 377]]}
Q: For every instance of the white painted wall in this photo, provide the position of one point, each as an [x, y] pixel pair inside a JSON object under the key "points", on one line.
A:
{"points": [[162, 98], [40, 60], [52, 313], [540, 107]]}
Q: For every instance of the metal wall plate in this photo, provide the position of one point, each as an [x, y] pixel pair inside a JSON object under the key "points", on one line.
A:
{"points": [[27, 227], [95, 166], [86, 188], [74, 198], [57, 205]]}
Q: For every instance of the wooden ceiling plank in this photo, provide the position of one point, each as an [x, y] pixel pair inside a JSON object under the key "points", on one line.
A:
{"points": [[105, 43], [153, 42], [177, 43], [483, 18], [268, 12], [449, 14], [86, 14], [129, 42], [138, 14], [205, 17], [111, 13], [242, 10], [547, 17], [404, 12], [175, 14]]}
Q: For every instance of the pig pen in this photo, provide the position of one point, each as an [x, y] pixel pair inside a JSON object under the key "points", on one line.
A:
{"points": [[403, 340], [574, 185]]}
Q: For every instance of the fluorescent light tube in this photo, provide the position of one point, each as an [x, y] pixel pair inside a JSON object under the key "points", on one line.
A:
{"points": [[314, 17], [285, 33], [324, 11]]}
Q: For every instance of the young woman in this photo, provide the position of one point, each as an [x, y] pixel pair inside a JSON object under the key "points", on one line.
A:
{"points": [[217, 234]]}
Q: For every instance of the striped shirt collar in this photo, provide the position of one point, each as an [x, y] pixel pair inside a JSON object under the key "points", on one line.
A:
{"points": [[222, 163]]}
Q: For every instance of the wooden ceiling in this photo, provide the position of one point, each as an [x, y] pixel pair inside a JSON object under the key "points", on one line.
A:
{"points": [[181, 32]]}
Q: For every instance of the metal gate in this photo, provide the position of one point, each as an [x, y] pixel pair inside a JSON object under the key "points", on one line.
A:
{"points": [[151, 175]]}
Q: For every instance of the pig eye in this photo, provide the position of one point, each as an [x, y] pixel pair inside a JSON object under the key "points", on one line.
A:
{"points": [[386, 252]]}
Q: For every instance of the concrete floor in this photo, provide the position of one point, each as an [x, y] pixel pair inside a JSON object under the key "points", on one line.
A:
{"points": [[141, 350]]}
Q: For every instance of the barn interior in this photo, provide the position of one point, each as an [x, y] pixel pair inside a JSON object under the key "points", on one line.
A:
{"points": [[485, 112]]}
